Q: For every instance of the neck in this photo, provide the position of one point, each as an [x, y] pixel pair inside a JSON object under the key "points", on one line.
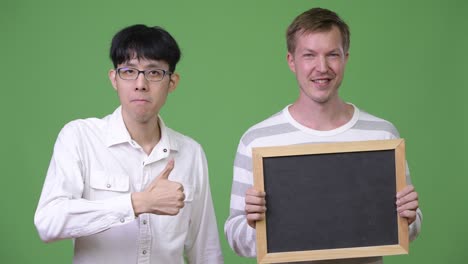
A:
{"points": [[147, 134], [321, 116]]}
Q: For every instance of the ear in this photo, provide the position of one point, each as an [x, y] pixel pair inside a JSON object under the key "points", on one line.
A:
{"points": [[291, 64], [112, 74], [346, 57], [174, 81]]}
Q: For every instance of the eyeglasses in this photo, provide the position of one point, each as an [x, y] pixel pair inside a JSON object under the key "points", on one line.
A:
{"points": [[152, 75]]}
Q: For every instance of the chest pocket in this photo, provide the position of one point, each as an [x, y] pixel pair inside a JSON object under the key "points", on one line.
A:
{"points": [[105, 185], [171, 225]]}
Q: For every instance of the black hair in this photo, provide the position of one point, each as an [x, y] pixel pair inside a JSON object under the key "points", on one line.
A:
{"points": [[142, 42]]}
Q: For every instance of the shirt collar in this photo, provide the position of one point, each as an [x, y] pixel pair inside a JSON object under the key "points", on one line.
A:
{"points": [[117, 132]]}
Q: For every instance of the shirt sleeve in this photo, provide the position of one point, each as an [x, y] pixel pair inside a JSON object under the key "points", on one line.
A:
{"points": [[240, 236], [415, 227], [62, 212], [202, 244]]}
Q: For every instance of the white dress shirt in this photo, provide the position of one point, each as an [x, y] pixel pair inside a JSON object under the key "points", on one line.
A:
{"points": [[86, 196]]}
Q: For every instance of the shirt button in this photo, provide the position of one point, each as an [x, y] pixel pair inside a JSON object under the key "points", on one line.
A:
{"points": [[144, 252], [108, 185], [122, 220], [143, 163], [165, 150], [144, 222]]}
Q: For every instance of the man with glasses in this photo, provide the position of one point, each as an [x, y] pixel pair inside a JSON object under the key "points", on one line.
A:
{"points": [[318, 43], [127, 188]]}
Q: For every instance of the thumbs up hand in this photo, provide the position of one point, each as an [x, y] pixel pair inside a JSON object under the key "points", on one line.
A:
{"points": [[162, 196]]}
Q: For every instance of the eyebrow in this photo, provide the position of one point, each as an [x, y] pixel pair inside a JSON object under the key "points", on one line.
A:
{"points": [[309, 50], [335, 50], [313, 51], [151, 65]]}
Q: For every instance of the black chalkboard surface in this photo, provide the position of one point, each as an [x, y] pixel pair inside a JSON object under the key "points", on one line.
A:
{"points": [[330, 201]]}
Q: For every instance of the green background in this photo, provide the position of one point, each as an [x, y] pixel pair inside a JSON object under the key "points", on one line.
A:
{"points": [[407, 64]]}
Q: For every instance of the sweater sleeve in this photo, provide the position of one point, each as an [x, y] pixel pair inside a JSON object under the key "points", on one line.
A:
{"points": [[240, 236]]}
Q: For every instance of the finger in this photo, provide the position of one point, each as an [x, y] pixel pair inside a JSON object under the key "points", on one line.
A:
{"points": [[408, 206], [180, 205], [254, 217], [254, 200], [405, 191], [251, 223], [413, 196], [181, 197], [167, 170], [181, 187], [255, 209], [410, 215], [252, 192]]}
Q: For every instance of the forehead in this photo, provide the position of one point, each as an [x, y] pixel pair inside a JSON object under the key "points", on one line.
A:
{"points": [[145, 63], [319, 40]]}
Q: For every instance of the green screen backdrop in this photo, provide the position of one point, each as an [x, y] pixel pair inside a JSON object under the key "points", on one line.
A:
{"points": [[407, 64]]}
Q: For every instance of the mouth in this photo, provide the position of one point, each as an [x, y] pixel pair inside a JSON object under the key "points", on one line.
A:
{"points": [[140, 101], [321, 81]]}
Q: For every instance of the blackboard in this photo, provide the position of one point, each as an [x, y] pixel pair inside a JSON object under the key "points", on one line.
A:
{"points": [[330, 201]]}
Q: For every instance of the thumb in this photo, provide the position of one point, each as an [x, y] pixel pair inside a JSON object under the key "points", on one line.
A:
{"points": [[167, 170]]}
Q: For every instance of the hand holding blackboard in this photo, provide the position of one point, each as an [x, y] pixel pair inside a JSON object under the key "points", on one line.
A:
{"points": [[254, 206], [407, 203]]}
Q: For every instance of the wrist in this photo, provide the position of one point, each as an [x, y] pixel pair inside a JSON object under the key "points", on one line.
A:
{"points": [[138, 203]]}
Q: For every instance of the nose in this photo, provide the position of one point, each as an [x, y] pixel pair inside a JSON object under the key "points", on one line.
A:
{"points": [[141, 83], [322, 64]]}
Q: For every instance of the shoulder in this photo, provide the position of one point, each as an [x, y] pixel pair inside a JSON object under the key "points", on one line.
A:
{"points": [[183, 141], [371, 122], [86, 128], [275, 119], [86, 124], [275, 125]]}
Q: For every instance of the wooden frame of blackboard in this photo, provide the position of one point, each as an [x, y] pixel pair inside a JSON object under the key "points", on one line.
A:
{"points": [[396, 146]]}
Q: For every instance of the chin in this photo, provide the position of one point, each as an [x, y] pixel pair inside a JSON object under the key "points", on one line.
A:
{"points": [[320, 98], [143, 117]]}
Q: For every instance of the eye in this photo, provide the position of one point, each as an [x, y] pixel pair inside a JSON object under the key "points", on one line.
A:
{"points": [[127, 71], [154, 73]]}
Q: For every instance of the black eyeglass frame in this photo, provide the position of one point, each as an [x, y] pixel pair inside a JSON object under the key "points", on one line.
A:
{"points": [[165, 72]]}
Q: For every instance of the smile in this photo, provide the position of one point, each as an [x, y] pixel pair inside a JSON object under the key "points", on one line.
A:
{"points": [[321, 81]]}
